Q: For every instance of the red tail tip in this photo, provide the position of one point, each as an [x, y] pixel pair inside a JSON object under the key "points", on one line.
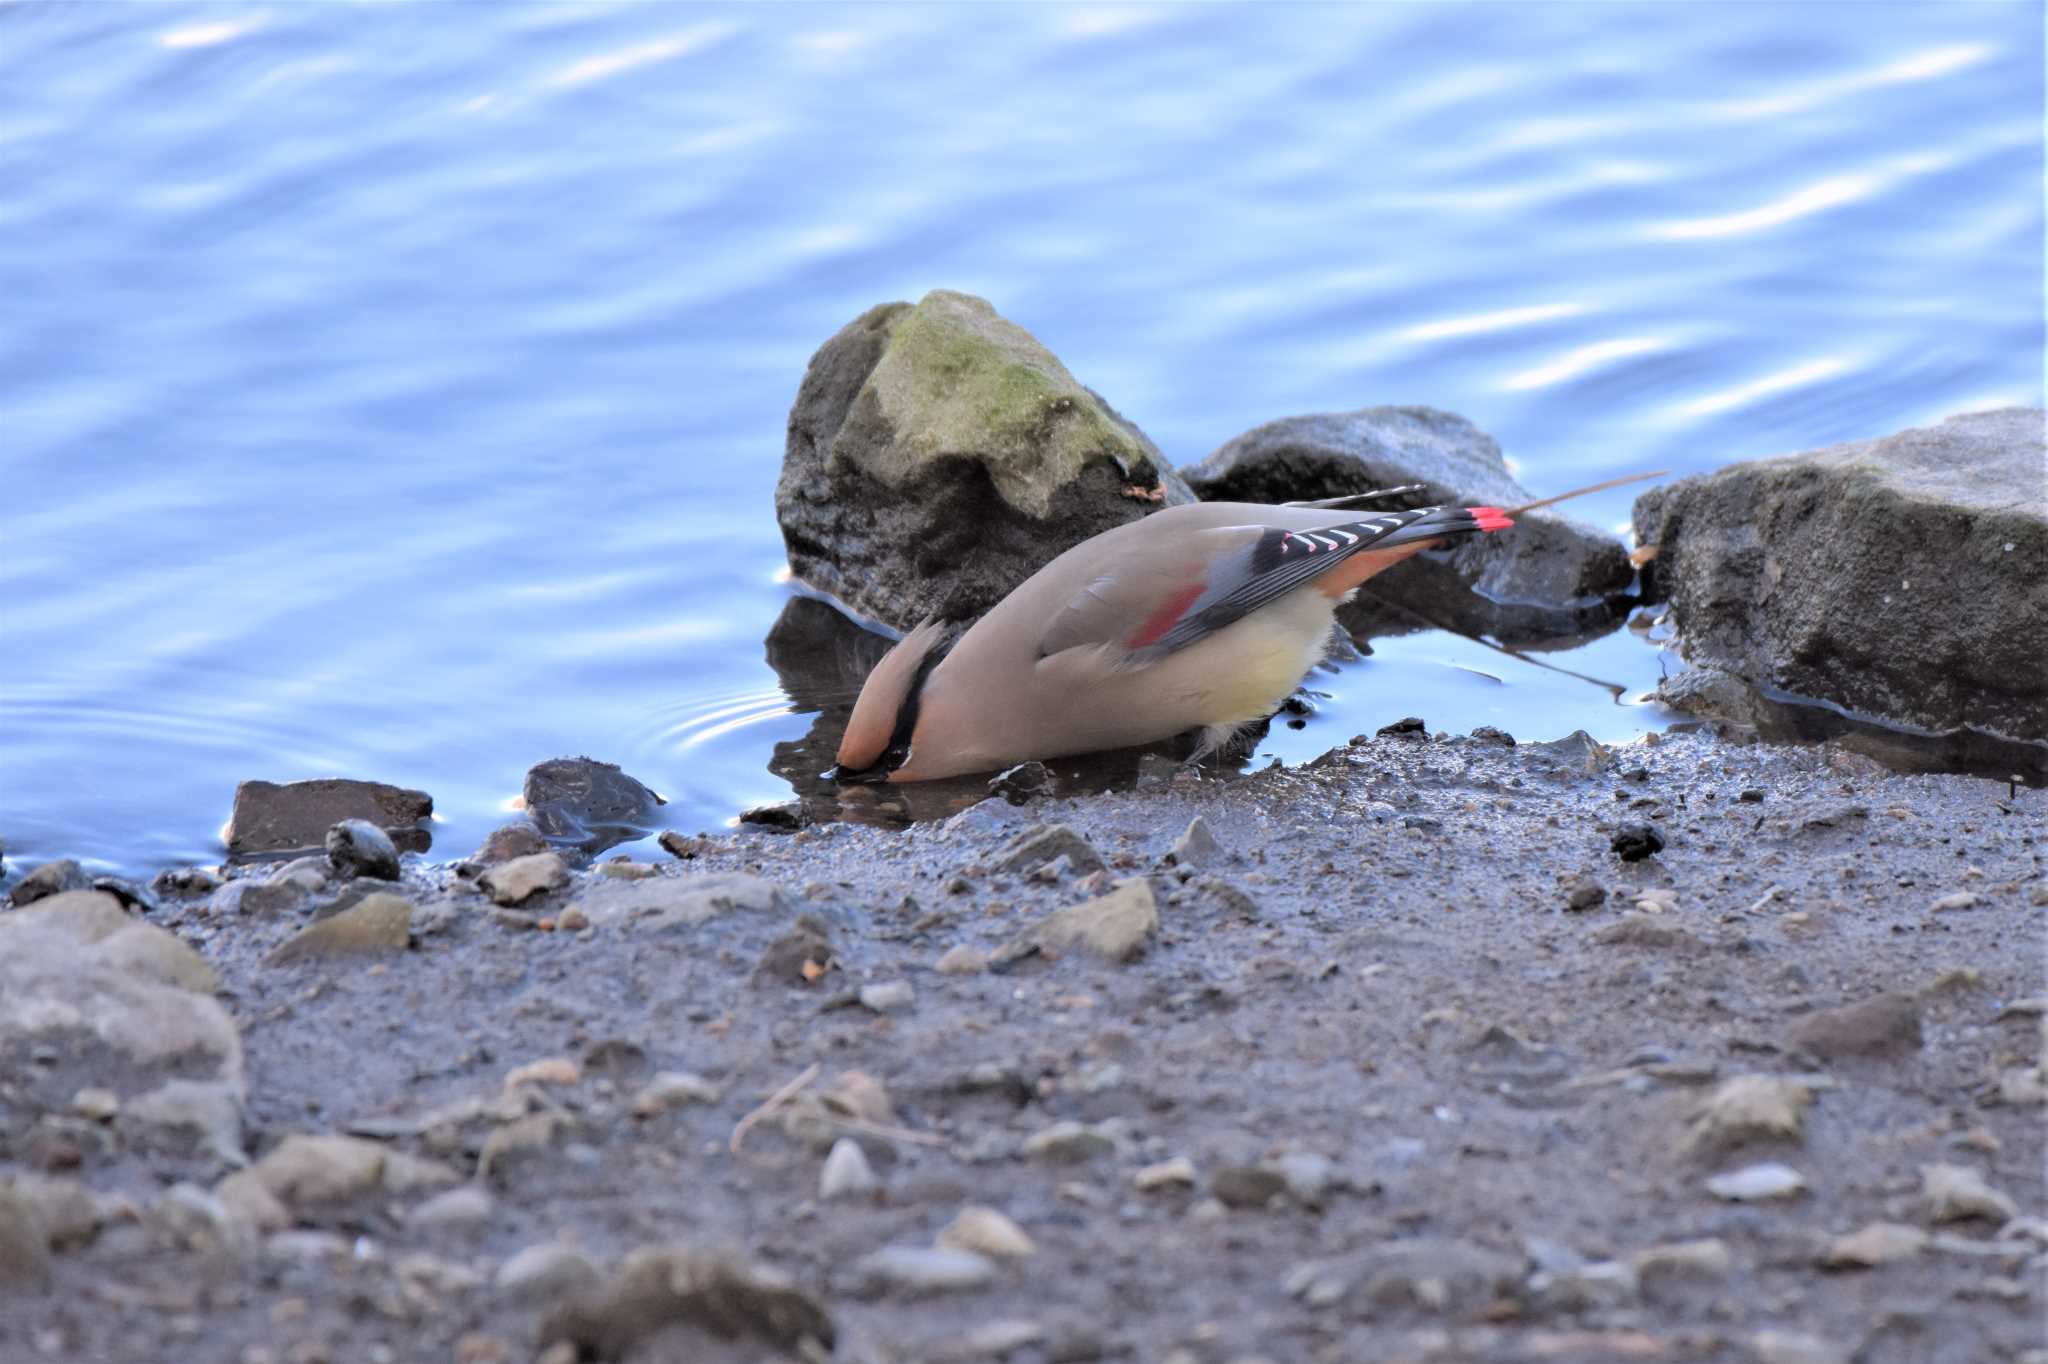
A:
{"points": [[1491, 518]]}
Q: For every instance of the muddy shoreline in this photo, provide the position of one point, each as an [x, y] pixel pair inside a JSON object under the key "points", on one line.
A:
{"points": [[1412, 1066]]}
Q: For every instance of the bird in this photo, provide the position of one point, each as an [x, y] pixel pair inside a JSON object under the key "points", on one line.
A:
{"points": [[1198, 617]]}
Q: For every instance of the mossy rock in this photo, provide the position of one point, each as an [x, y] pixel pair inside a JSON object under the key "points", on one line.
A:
{"points": [[938, 455]]}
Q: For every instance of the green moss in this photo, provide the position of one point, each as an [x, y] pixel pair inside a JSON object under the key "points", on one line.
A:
{"points": [[957, 379]]}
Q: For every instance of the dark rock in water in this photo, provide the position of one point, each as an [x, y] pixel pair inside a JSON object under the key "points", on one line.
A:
{"points": [[1488, 734], [1022, 783], [132, 897], [184, 882], [587, 804], [1547, 577], [785, 818], [52, 878], [1634, 842], [296, 816], [1405, 727], [1904, 579], [938, 455], [357, 847]]}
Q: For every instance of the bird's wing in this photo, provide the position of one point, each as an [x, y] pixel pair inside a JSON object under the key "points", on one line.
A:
{"points": [[1159, 600]]}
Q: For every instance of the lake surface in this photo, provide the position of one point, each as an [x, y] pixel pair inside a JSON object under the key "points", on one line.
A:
{"points": [[398, 392]]}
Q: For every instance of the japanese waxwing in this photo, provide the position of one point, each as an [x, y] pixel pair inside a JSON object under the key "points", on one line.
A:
{"points": [[1204, 616]]}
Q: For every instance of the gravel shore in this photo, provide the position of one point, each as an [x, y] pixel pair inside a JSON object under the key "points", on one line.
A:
{"points": [[1395, 1056]]}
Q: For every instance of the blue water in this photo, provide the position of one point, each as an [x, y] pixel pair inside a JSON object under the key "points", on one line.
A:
{"points": [[399, 392]]}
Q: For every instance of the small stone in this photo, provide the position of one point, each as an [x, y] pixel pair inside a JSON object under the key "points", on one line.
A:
{"points": [[1489, 734], [1587, 1287], [251, 898], [70, 1213], [466, 1206], [1748, 1108], [572, 920], [684, 847], [51, 878], [522, 878], [987, 1232], [1795, 1347], [552, 1070], [1634, 842], [785, 818], [549, 1270], [309, 874], [184, 882], [376, 925], [320, 1169], [1042, 843], [179, 1110], [1957, 1193], [1750, 795], [1309, 1176], [1647, 931], [24, 1242], [1701, 1259], [1869, 1027], [1434, 1273], [1246, 1186], [507, 843], [1025, 782], [100, 1105], [357, 847], [1196, 847], [846, 1173], [1406, 727], [200, 1220], [1962, 899], [662, 1286], [1069, 1141], [797, 957], [251, 1204], [1586, 895], [1114, 927], [672, 1089], [2037, 894], [888, 996], [1657, 900], [623, 868], [1880, 1243], [1179, 1171], [1754, 1183], [926, 1270], [962, 960]]}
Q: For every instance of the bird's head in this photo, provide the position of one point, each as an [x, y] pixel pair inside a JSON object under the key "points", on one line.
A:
{"points": [[878, 736]]}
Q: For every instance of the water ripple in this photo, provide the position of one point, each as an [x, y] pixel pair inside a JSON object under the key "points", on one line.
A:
{"points": [[400, 392]]}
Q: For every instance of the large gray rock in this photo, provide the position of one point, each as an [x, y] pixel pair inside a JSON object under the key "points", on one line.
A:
{"points": [[117, 1004], [1904, 578], [938, 455], [1548, 576], [295, 817]]}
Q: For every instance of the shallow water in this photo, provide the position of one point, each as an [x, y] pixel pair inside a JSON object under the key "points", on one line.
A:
{"points": [[399, 392]]}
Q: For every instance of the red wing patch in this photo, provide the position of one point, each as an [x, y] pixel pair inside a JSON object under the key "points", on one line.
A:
{"points": [[1164, 618], [1491, 518]]}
